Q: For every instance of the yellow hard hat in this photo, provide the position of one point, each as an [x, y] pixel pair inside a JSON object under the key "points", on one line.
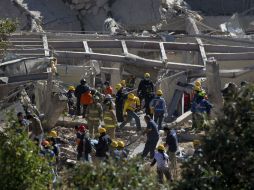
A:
{"points": [[159, 92], [131, 96], [198, 83], [123, 82], [118, 86], [102, 130], [197, 88], [147, 75], [114, 144], [196, 143], [161, 147], [121, 144], [71, 88], [53, 134]]}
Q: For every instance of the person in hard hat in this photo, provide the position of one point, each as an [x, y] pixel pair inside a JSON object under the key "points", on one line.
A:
{"points": [[122, 153], [119, 102], [109, 116], [152, 137], [197, 148], [84, 146], [113, 149], [71, 100], [52, 139], [130, 82], [172, 144], [146, 92], [158, 108], [35, 127], [131, 105], [200, 108], [107, 88], [23, 124], [85, 100], [47, 152], [94, 114], [162, 160], [102, 148], [79, 90]]}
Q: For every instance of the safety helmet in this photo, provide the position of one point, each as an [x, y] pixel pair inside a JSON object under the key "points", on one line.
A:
{"points": [[197, 88], [202, 93], [147, 75], [123, 82], [159, 92], [198, 83], [131, 96], [120, 144], [71, 88], [108, 97], [114, 144], [82, 128], [118, 86], [106, 83], [53, 134], [196, 143], [83, 81], [45, 143], [161, 147], [102, 130]]}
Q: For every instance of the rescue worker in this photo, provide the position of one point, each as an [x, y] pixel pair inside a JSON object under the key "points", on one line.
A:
{"points": [[130, 83], [109, 116], [102, 148], [70, 96], [200, 109], [152, 137], [94, 114], [107, 88], [162, 160], [95, 92], [35, 128], [158, 108], [131, 105], [119, 102], [146, 92], [172, 144], [79, 90], [53, 143], [197, 148], [22, 123], [84, 147], [85, 100], [122, 153], [113, 149], [125, 89]]}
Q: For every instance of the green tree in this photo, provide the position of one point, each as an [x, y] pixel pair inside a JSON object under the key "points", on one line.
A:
{"points": [[131, 174], [7, 27], [227, 161], [20, 164]]}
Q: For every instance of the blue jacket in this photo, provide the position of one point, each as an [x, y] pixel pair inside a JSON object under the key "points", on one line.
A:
{"points": [[201, 106], [159, 105]]}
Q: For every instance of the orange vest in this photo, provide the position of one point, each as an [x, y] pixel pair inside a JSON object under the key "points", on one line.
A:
{"points": [[86, 98], [108, 90]]}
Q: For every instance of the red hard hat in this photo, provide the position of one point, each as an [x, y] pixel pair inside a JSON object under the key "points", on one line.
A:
{"points": [[82, 128]]}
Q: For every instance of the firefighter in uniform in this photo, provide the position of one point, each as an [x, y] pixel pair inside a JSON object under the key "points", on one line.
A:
{"points": [[146, 92], [94, 114]]}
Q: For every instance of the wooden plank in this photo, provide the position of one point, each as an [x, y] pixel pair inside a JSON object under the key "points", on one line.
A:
{"points": [[87, 50], [127, 59], [124, 46], [45, 45], [232, 56], [163, 52]]}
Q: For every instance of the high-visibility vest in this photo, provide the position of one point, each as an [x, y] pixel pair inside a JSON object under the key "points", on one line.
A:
{"points": [[86, 98], [108, 119]]}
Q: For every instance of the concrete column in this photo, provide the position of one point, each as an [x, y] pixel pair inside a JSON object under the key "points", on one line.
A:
{"points": [[115, 75], [214, 84]]}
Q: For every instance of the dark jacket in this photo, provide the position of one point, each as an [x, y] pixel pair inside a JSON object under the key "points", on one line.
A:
{"points": [[145, 88], [80, 89], [120, 97], [153, 133], [171, 141], [103, 146]]}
